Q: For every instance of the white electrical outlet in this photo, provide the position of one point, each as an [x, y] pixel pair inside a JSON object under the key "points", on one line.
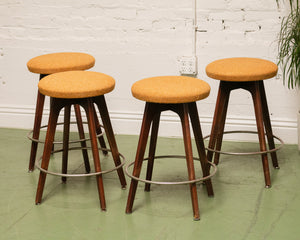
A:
{"points": [[188, 65]]}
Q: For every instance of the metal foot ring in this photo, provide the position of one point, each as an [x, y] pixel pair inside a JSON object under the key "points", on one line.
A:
{"points": [[37, 164], [171, 183], [246, 153], [29, 135]]}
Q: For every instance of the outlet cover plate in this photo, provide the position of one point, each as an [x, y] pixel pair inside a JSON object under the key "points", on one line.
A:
{"points": [[187, 65]]}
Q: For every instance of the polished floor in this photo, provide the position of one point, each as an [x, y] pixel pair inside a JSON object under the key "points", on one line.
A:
{"points": [[241, 208]]}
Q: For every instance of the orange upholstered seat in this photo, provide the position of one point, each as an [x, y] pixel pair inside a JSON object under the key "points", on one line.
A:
{"points": [[241, 69], [76, 84], [59, 62], [170, 89]]}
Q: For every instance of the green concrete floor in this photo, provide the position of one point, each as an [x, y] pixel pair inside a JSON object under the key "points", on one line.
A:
{"points": [[241, 208]]}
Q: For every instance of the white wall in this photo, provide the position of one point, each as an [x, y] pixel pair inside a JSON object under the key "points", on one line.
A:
{"points": [[133, 39]]}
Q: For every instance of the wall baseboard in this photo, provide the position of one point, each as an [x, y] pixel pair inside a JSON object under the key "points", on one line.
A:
{"points": [[130, 123]]}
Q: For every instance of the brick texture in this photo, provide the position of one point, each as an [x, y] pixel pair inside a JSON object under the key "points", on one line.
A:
{"points": [[132, 39]]}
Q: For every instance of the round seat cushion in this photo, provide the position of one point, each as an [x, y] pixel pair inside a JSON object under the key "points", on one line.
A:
{"points": [[76, 84], [170, 89], [241, 69], [60, 62]]}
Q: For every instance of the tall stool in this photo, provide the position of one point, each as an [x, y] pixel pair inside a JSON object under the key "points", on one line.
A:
{"points": [[248, 74], [178, 94], [85, 89], [53, 63]]}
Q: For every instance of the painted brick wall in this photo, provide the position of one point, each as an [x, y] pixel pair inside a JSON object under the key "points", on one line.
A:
{"points": [[133, 39]]}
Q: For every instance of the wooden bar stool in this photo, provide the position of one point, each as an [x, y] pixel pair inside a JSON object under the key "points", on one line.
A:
{"points": [[85, 89], [178, 94], [53, 63], [247, 74]]}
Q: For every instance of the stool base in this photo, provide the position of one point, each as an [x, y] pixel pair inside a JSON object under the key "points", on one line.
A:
{"points": [[257, 90], [87, 103], [152, 114]]}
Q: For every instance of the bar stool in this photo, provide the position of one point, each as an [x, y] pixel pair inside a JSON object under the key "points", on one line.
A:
{"points": [[85, 89], [178, 94], [247, 74], [53, 63]]}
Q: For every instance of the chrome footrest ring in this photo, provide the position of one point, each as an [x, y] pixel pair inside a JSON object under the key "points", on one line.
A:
{"points": [[246, 153], [171, 183], [29, 135], [37, 164]]}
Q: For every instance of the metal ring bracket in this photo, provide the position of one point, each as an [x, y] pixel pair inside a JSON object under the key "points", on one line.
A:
{"points": [[29, 135], [171, 183], [37, 164], [246, 153]]}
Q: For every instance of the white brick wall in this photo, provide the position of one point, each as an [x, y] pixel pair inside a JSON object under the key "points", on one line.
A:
{"points": [[132, 39]]}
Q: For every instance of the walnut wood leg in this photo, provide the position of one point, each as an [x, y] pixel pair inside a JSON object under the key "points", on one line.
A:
{"points": [[152, 148], [218, 122], [267, 124], [260, 129], [88, 106], [55, 108], [214, 128], [99, 131], [193, 112], [189, 158], [147, 119], [66, 137], [36, 129], [224, 106], [100, 101], [82, 136]]}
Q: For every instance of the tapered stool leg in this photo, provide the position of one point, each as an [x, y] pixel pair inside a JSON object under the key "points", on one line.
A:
{"points": [[55, 108], [145, 128], [260, 129], [193, 112], [189, 158], [218, 122], [152, 148], [92, 129], [82, 136], [267, 124], [219, 139], [99, 131], [36, 129], [66, 137], [100, 101]]}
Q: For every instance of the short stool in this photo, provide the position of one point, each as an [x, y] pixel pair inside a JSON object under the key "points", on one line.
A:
{"points": [[247, 74], [52, 63], [178, 94], [82, 88]]}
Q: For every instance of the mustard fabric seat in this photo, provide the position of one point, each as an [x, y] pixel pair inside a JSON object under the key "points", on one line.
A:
{"points": [[60, 62], [76, 84], [170, 89], [241, 69]]}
